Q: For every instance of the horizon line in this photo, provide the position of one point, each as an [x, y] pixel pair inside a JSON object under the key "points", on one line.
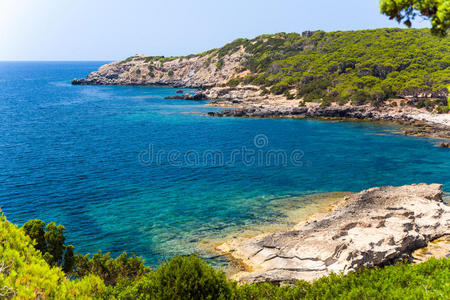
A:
{"points": [[58, 60]]}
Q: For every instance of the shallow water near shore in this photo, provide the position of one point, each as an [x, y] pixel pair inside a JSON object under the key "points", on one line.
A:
{"points": [[125, 170]]}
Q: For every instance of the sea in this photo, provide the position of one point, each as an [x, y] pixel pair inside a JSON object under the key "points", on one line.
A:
{"points": [[124, 169]]}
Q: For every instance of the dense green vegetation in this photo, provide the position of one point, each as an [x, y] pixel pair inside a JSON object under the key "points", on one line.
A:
{"points": [[438, 11], [368, 66], [50, 242], [26, 273], [361, 67]]}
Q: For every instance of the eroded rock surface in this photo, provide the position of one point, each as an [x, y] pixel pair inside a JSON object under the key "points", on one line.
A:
{"points": [[196, 71], [372, 228]]}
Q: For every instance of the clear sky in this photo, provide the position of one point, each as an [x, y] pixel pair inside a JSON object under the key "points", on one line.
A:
{"points": [[113, 29]]}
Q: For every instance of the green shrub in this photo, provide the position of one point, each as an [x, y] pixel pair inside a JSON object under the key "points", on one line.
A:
{"points": [[360, 97], [264, 91], [208, 61], [429, 280], [234, 82], [288, 95], [111, 271], [366, 66], [280, 88], [443, 109], [181, 278], [170, 73], [26, 275], [127, 60], [219, 64], [313, 89], [231, 47]]}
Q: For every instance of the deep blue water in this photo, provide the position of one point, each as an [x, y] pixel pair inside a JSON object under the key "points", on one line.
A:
{"points": [[81, 156]]}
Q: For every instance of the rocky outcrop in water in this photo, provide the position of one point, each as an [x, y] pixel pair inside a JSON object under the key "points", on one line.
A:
{"points": [[418, 123], [376, 227], [334, 111]]}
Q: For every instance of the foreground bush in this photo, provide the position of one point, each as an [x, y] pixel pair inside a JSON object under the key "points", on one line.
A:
{"points": [[429, 280], [190, 278], [180, 278], [122, 270], [25, 274]]}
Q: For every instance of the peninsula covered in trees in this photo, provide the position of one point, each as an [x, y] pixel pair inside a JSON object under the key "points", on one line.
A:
{"points": [[357, 67]]}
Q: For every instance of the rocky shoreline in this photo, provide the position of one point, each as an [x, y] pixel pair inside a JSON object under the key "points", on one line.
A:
{"points": [[375, 227], [413, 124], [211, 75], [246, 102]]}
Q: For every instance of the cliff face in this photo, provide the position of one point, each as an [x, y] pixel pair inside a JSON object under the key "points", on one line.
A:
{"points": [[195, 71]]}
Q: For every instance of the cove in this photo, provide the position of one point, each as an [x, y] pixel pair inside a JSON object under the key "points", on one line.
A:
{"points": [[73, 155]]}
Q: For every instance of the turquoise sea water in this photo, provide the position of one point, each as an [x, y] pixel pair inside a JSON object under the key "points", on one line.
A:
{"points": [[124, 169]]}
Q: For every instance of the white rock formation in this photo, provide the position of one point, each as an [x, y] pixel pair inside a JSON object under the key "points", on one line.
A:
{"points": [[372, 228]]}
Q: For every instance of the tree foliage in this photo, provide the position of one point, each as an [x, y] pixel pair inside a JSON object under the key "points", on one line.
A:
{"points": [[179, 278], [25, 274], [366, 66], [123, 269], [438, 11], [50, 241], [361, 67]]}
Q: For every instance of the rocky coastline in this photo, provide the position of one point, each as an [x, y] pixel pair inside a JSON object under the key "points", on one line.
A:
{"points": [[375, 227], [197, 71], [247, 101], [211, 73], [415, 122]]}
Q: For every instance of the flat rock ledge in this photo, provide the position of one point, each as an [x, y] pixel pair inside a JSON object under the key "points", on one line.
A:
{"points": [[375, 227]]}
